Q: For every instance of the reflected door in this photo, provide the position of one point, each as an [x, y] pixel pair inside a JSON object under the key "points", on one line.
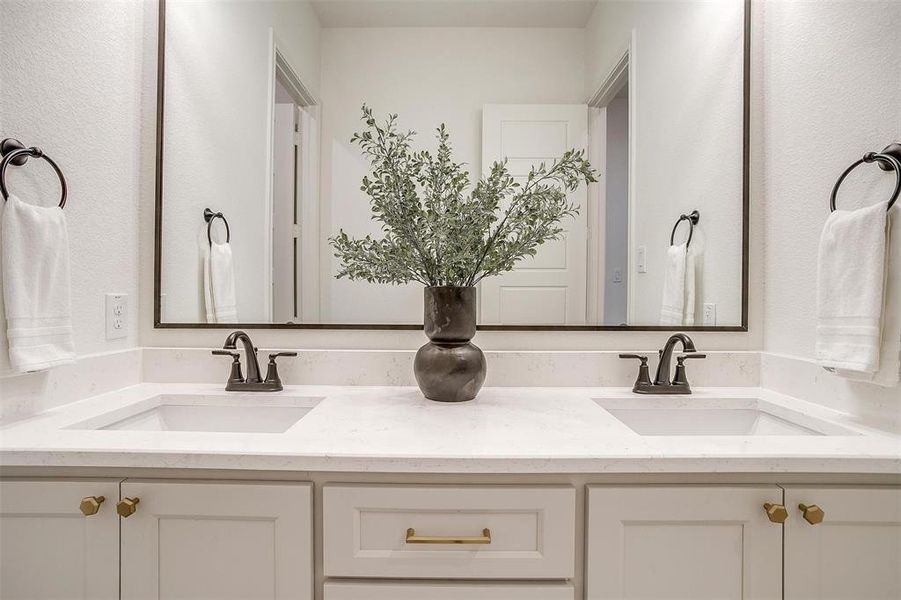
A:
{"points": [[549, 288]]}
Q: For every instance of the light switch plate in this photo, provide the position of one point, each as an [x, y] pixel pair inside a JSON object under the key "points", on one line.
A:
{"points": [[642, 259], [709, 314], [116, 316]]}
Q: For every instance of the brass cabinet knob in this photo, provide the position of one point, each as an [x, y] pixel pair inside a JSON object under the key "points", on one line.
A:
{"points": [[812, 513], [127, 506], [775, 512], [90, 505]]}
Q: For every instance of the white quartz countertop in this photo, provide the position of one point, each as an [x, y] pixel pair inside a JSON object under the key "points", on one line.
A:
{"points": [[396, 430]]}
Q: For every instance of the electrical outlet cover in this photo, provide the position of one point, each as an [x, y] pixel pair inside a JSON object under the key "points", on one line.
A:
{"points": [[116, 316]]}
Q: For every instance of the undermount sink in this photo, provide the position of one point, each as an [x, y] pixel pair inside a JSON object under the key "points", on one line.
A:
{"points": [[197, 413], [719, 417]]}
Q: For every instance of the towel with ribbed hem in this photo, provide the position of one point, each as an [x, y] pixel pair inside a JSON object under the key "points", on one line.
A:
{"points": [[889, 373], [36, 286], [851, 274]]}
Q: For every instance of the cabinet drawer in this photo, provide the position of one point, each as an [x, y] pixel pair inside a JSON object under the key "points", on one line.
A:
{"points": [[449, 532], [448, 591]]}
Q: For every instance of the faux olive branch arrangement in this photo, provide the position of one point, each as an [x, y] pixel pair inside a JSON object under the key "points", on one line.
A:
{"points": [[434, 231]]}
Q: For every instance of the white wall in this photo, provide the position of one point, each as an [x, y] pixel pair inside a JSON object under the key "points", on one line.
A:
{"points": [[218, 85], [687, 150], [426, 76], [832, 75], [70, 82]]}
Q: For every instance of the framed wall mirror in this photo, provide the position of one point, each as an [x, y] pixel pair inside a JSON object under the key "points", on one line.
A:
{"points": [[256, 170]]}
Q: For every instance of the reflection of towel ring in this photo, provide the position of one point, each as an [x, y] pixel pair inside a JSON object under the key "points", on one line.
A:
{"points": [[692, 219], [209, 216], [889, 159], [15, 152]]}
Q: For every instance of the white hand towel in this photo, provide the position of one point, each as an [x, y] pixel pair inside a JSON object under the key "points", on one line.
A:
{"points": [[889, 373], [851, 271], [35, 249], [672, 308], [691, 258], [222, 283], [207, 284]]}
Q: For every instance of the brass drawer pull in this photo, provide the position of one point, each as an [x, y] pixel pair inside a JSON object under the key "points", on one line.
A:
{"points": [[412, 538], [813, 514], [127, 507], [90, 505], [775, 512]]}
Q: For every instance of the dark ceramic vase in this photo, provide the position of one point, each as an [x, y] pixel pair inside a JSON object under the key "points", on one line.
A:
{"points": [[449, 368]]}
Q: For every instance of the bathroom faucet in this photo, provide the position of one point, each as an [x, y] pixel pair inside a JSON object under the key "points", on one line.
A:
{"points": [[252, 383], [662, 383]]}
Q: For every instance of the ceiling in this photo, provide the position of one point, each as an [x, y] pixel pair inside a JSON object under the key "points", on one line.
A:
{"points": [[453, 13]]}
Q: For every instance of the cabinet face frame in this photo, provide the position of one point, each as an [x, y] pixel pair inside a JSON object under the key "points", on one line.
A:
{"points": [[611, 509], [825, 560], [91, 559], [287, 506], [447, 591]]}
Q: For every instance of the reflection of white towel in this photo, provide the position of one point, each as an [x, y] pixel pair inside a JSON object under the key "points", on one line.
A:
{"points": [[851, 273], [889, 373], [672, 308], [691, 257], [35, 255], [219, 284]]}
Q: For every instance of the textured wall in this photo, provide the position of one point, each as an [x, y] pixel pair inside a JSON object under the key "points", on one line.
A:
{"points": [[70, 75], [832, 91]]}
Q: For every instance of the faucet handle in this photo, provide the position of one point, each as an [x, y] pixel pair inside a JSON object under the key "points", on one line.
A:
{"points": [[272, 372], [236, 376], [644, 377], [680, 379]]}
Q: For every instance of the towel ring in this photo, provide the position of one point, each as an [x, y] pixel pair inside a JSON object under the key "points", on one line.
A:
{"points": [[209, 216], [692, 219], [14, 152], [889, 159]]}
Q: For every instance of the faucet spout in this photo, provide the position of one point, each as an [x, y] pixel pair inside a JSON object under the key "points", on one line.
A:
{"points": [[253, 365], [666, 356]]}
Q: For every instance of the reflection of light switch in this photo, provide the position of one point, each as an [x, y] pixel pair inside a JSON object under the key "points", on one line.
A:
{"points": [[617, 275], [642, 259], [709, 314]]}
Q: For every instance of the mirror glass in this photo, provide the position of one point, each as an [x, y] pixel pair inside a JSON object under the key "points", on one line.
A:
{"points": [[258, 169]]}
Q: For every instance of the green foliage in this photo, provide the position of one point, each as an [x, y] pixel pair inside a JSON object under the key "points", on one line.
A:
{"points": [[437, 234]]}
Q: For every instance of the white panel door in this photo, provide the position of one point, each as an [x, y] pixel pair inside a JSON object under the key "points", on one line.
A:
{"points": [[49, 549], [549, 288], [853, 553], [683, 542], [213, 541], [448, 591]]}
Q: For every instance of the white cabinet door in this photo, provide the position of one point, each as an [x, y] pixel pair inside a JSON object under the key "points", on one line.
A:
{"points": [[49, 549], [448, 591], [193, 541], [854, 552], [683, 542]]}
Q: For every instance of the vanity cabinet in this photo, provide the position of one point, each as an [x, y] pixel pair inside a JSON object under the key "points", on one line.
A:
{"points": [[217, 540], [699, 542], [49, 548], [853, 552]]}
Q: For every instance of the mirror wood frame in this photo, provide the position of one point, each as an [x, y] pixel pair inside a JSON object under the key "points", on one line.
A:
{"points": [[158, 224]]}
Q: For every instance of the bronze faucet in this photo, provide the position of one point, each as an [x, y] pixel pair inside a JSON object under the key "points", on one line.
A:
{"points": [[662, 383], [253, 382]]}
